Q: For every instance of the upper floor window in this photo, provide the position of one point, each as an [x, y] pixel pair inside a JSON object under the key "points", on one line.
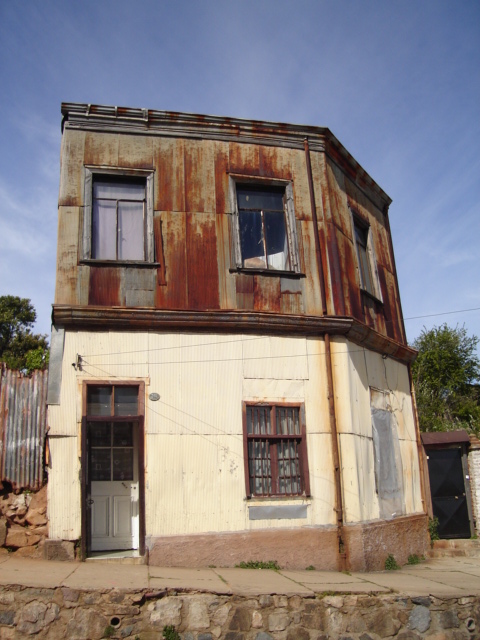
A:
{"points": [[118, 216], [265, 226], [367, 266]]}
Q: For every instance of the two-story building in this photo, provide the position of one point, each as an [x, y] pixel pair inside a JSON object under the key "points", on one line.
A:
{"points": [[230, 377]]}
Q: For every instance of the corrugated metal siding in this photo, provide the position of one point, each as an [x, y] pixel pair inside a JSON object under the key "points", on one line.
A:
{"points": [[22, 428]]}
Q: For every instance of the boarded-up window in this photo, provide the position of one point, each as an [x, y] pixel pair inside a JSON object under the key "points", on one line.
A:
{"points": [[275, 447], [388, 463], [366, 261]]}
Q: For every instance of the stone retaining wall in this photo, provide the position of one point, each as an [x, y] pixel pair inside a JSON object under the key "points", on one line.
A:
{"points": [[142, 615]]}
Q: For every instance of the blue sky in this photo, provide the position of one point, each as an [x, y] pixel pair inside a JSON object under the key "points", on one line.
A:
{"points": [[397, 82]]}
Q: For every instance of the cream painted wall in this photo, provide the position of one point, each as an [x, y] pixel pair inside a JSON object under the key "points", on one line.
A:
{"points": [[194, 442]]}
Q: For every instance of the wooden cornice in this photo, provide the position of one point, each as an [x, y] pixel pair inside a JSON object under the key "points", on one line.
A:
{"points": [[128, 319]]}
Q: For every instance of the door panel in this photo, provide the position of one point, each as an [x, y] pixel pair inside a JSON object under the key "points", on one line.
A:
{"points": [[447, 485], [114, 490]]}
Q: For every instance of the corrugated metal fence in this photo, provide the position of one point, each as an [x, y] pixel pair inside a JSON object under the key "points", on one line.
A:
{"points": [[23, 423]]}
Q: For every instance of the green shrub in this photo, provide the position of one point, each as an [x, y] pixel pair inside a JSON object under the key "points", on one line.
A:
{"points": [[170, 633], [259, 564], [433, 529], [391, 564]]}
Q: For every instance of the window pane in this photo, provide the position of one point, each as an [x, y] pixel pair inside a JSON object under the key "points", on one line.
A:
{"points": [[258, 420], [104, 226], [100, 464], [99, 401], [276, 241], [260, 198], [288, 421], [119, 189], [122, 464], [126, 401], [251, 239], [123, 434], [288, 467], [259, 467], [130, 231], [99, 434]]}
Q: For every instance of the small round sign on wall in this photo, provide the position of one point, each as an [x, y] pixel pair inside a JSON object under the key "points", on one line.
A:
{"points": [[154, 397]]}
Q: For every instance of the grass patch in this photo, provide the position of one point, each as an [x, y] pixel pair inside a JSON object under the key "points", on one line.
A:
{"points": [[170, 633], [433, 530], [259, 564], [310, 568]]}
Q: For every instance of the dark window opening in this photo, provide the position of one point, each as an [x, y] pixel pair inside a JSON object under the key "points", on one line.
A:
{"points": [[263, 227]]}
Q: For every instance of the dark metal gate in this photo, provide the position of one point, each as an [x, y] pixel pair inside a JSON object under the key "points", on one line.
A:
{"points": [[449, 497]]}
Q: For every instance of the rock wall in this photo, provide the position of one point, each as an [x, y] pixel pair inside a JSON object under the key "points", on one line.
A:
{"points": [[142, 615], [23, 521]]}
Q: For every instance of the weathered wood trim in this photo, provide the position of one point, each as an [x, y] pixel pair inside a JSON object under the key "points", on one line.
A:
{"points": [[125, 319]]}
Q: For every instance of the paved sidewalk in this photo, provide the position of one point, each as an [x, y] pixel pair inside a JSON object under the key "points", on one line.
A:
{"points": [[441, 577]]}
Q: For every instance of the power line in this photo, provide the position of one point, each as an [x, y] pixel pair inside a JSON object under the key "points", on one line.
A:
{"points": [[443, 313]]}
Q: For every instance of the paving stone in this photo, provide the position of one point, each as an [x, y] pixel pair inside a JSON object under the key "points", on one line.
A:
{"points": [[425, 602], [419, 618], [263, 635]]}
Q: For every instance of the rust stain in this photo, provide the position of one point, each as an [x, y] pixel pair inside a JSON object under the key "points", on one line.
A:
{"points": [[159, 255], [244, 289], [221, 178], [104, 287], [244, 158], [169, 175], [266, 293], [202, 270], [174, 295]]}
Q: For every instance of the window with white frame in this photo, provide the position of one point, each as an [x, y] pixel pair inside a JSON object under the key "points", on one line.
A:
{"points": [[118, 216], [367, 266], [265, 234], [275, 450]]}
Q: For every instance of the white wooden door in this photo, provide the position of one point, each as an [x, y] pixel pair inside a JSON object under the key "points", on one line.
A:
{"points": [[114, 488]]}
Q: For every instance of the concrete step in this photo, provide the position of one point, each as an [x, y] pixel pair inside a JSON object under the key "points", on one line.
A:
{"points": [[455, 548]]}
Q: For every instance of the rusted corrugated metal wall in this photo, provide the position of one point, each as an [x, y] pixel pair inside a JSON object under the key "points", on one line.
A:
{"points": [[23, 423]]}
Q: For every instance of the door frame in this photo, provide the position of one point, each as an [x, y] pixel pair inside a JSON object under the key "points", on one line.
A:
{"points": [[85, 544]]}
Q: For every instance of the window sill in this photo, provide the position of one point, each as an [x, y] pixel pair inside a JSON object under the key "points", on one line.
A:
{"points": [[122, 263], [269, 272], [261, 500], [371, 296]]}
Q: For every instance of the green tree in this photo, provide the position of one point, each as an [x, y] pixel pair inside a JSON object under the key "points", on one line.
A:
{"points": [[20, 348], [446, 374]]}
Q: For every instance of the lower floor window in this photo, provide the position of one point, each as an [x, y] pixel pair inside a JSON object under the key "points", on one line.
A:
{"points": [[275, 450]]}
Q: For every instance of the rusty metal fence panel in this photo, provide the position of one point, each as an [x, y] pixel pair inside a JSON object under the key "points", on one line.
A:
{"points": [[23, 424]]}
